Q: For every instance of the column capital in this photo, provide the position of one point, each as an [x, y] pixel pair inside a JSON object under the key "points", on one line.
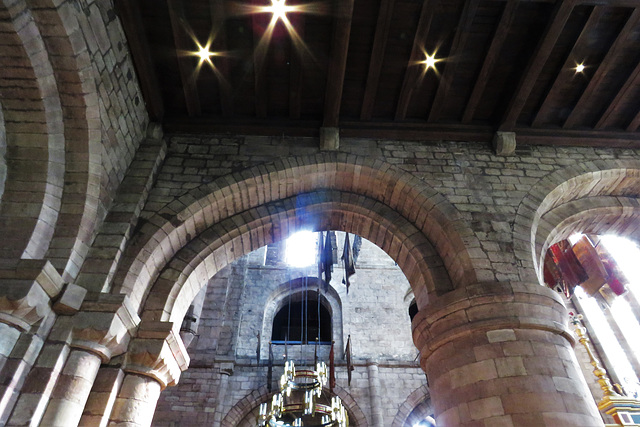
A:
{"points": [[104, 325], [157, 352], [488, 306], [27, 287]]}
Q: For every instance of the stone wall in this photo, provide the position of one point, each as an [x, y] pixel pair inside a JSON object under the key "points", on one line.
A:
{"points": [[486, 189]]}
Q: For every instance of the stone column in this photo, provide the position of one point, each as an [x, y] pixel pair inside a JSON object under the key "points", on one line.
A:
{"points": [[154, 360], [103, 395], [501, 354], [101, 330], [26, 317], [374, 395]]}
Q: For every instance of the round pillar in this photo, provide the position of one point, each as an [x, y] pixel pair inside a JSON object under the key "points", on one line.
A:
{"points": [[136, 401], [501, 354], [72, 389]]}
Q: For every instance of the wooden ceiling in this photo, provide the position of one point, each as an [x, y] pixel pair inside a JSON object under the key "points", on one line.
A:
{"points": [[504, 65]]}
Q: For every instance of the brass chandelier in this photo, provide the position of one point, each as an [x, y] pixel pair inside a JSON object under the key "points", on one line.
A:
{"points": [[306, 411]]}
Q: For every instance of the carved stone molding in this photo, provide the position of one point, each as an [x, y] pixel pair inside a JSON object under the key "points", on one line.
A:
{"points": [[26, 290], [157, 352], [104, 325]]}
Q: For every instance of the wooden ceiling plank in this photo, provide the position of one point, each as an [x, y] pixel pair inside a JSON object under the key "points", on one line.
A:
{"points": [[635, 123], [219, 44], [260, 49], [296, 72], [133, 25], [457, 47], [569, 63], [338, 63], [377, 57], [603, 69], [411, 73], [499, 38], [632, 82], [183, 43], [536, 63]]}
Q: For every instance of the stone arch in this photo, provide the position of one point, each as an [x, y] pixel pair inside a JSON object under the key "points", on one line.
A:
{"points": [[251, 402], [593, 197], [52, 130], [417, 399], [279, 296], [34, 139], [222, 243], [73, 72], [262, 191]]}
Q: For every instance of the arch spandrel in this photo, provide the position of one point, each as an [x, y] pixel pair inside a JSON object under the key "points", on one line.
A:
{"points": [[262, 191]]}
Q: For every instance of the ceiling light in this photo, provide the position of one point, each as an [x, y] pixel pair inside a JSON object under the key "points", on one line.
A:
{"points": [[279, 9], [204, 53], [579, 68], [430, 61]]}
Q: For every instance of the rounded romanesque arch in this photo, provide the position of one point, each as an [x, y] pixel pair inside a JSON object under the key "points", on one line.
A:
{"points": [[595, 197], [247, 407], [295, 286], [34, 141], [222, 243], [414, 408], [53, 137], [193, 237]]}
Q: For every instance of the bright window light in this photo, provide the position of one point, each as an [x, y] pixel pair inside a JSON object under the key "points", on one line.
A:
{"points": [[301, 249], [605, 335]]}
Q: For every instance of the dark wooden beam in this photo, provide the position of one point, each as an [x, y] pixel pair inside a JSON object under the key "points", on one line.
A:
{"points": [[296, 72], [568, 68], [577, 114], [577, 138], [338, 64], [549, 38], [260, 49], [499, 38], [133, 25], [377, 58], [219, 44], [635, 123], [632, 82], [411, 73], [455, 53], [183, 44]]}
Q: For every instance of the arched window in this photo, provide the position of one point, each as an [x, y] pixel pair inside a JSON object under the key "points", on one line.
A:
{"points": [[302, 320]]}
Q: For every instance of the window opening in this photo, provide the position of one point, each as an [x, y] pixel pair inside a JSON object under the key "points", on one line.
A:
{"points": [[301, 321], [413, 309]]}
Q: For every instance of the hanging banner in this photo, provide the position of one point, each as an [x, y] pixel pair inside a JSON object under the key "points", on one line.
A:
{"points": [[347, 353], [347, 258]]}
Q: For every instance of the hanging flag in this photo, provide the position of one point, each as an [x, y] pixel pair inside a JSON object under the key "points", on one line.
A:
{"points": [[270, 369], [332, 369], [347, 353], [258, 349], [327, 260], [347, 259]]}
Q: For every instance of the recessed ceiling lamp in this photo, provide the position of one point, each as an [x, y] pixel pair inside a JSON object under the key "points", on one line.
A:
{"points": [[579, 68], [430, 61], [279, 10]]}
